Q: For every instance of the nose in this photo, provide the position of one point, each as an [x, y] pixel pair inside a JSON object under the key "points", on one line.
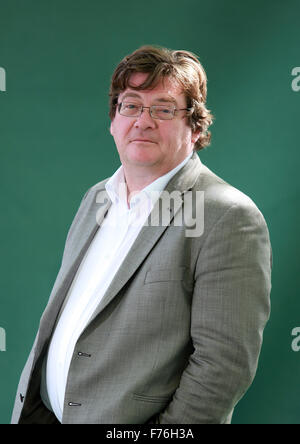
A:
{"points": [[145, 120]]}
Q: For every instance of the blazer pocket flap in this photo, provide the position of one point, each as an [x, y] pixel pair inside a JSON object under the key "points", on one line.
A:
{"points": [[166, 275], [146, 398]]}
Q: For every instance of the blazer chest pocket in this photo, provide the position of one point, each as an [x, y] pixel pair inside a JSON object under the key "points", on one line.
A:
{"points": [[167, 275]]}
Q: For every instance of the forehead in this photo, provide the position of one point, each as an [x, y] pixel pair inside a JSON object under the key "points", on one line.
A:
{"points": [[166, 88]]}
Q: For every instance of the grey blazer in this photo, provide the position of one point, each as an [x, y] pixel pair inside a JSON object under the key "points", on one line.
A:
{"points": [[177, 337]]}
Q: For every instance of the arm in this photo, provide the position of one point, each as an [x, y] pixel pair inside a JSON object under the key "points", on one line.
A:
{"points": [[229, 311]]}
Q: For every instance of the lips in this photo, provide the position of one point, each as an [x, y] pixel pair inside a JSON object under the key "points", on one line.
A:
{"points": [[143, 140]]}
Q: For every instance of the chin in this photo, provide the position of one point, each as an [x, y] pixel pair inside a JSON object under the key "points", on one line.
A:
{"points": [[142, 157]]}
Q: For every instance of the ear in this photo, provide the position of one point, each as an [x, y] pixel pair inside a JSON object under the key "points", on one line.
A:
{"points": [[195, 136], [111, 128]]}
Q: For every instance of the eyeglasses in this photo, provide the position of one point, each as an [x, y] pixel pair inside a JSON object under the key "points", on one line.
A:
{"points": [[161, 112]]}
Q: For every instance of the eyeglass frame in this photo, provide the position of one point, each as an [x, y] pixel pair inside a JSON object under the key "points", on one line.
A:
{"points": [[141, 109]]}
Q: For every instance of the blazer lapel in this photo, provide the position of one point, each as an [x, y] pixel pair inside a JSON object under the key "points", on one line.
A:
{"points": [[93, 212], [152, 231]]}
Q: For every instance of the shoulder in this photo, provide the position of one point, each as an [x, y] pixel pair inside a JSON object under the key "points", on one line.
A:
{"points": [[223, 199], [94, 190], [232, 219]]}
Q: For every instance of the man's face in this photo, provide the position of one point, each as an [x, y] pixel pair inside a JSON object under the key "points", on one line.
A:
{"points": [[157, 145]]}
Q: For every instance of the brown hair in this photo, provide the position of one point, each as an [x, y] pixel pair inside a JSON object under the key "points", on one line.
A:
{"points": [[159, 62]]}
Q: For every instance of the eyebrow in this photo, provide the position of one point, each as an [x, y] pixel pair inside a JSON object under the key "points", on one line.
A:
{"points": [[159, 99]]}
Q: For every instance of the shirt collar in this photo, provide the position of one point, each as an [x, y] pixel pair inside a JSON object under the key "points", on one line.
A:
{"points": [[117, 189]]}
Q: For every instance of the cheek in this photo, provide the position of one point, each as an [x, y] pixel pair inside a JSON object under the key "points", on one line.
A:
{"points": [[186, 134], [167, 132], [175, 135], [119, 128]]}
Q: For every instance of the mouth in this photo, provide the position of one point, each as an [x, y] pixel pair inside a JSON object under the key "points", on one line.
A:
{"points": [[142, 141]]}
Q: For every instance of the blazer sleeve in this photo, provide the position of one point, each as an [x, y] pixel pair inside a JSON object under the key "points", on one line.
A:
{"points": [[230, 308]]}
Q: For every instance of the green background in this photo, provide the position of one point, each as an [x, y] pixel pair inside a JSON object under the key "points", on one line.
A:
{"points": [[59, 56]]}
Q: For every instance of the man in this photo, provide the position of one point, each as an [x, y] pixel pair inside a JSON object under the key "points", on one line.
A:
{"points": [[150, 321]]}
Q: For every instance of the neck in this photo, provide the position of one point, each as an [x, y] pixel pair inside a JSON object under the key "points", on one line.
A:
{"points": [[138, 178]]}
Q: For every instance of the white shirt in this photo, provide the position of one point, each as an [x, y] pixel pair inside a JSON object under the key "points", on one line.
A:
{"points": [[106, 253]]}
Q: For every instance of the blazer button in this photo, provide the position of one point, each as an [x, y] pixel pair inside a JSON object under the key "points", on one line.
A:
{"points": [[74, 404], [85, 355]]}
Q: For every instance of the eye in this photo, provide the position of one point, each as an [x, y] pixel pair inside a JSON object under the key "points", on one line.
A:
{"points": [[130, 106], [130, 109], [163, 112], [164, 109]]}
